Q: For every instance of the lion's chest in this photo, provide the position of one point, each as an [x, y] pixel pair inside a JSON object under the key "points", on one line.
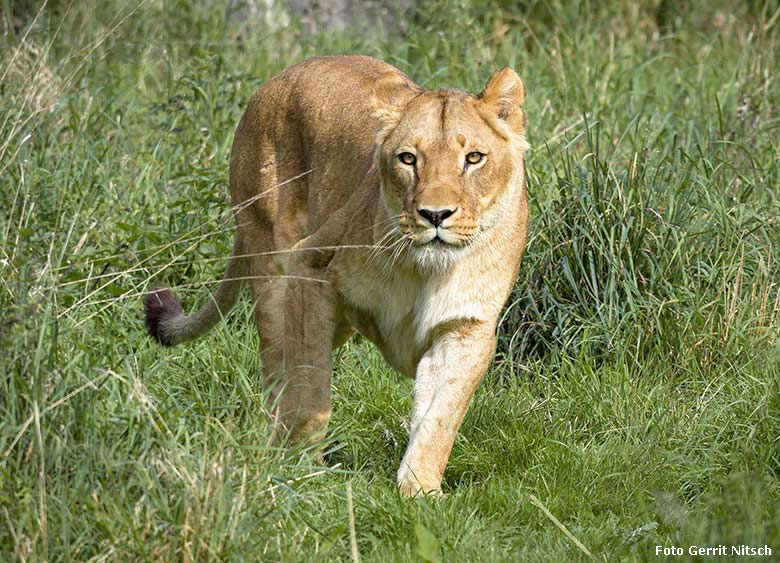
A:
{"points": [[399, 313]]}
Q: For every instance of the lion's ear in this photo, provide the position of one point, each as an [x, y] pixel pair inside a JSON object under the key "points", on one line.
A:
{"points": [[503, 96], [392, 91]]}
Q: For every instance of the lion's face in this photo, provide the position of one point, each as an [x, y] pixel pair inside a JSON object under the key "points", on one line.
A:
{"points": [[449, 162]]}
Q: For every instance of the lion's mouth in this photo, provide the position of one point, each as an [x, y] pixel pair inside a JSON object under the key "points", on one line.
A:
{"points": [[438, 239], [435, 241], [446, 240]]}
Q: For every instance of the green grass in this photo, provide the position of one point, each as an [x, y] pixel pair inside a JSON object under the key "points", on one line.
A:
{"points": [[635, 391]]}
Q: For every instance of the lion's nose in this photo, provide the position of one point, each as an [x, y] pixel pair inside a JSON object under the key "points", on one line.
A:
{"points": [[436, 217]]}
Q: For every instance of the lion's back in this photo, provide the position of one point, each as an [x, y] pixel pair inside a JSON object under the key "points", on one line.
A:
{"points": [[307, 138]]}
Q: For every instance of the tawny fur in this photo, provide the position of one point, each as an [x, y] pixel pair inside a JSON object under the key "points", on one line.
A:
{"points": [[332, 239]]}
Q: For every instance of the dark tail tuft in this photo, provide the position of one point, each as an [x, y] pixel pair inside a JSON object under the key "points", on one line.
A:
{"points": [[161, 305]]}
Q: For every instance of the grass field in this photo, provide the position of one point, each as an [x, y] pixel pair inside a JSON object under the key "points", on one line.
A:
{"points": [[635, 395]]}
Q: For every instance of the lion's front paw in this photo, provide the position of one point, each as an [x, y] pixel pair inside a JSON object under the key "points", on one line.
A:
{"points": [[415, 483]]}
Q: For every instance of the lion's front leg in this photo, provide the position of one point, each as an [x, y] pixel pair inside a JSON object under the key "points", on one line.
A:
{"points": [[447, 376]]}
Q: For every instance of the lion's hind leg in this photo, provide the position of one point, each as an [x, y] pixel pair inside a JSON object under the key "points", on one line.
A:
{"points": [[297, 321]]}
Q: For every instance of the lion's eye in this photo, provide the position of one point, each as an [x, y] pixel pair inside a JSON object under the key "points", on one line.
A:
{"points": [[407, 158], [474, 157]]}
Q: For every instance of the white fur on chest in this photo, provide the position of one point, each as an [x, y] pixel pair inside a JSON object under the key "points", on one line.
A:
{"points": [[448, 298], [414, 308], [407, 308], [390, 302]]}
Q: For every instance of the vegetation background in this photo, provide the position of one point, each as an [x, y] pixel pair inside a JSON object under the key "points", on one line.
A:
{"points": [[634, 398]]}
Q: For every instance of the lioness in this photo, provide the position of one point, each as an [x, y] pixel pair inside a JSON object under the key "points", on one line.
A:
{"points": [[364, 202]]}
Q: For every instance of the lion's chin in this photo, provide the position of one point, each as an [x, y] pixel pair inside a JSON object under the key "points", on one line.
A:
{"points": [[436, 256]]}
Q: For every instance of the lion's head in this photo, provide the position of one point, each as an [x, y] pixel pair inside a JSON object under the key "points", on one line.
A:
{"points": [[449, 161]]}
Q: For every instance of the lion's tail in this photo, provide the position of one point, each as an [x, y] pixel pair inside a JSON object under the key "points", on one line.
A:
{"points": [[165, 318]]}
